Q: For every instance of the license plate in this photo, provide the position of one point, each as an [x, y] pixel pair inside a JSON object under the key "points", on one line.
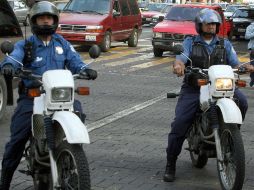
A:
{"points": [[90, 38], [241, 29], [148, 19]]}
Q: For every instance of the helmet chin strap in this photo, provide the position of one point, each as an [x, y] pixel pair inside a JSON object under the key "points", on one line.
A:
{"points": [[208, 35]]}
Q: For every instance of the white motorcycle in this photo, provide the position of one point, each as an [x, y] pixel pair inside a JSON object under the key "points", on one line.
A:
{"points": [[215, 132], [55, 156]]}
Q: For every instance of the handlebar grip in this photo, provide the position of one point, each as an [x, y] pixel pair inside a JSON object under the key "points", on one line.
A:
{"points": [[172, 95], [242, 70]]}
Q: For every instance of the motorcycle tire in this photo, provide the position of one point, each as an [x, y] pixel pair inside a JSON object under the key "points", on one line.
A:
{"points": [[3, 96], [232, 170], [72, 166], [198, 160], [41, 184]]}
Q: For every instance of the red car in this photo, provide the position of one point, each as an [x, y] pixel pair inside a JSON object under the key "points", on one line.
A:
{"points": [[152, 10], [179, 23], [91, 22]]}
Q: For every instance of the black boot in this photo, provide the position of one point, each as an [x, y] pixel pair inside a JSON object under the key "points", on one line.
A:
{"points": [[169, 175], [6, 178]]}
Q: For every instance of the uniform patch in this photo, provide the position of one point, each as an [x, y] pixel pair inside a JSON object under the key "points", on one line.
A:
{"points": [[72, 48], [59, 50], [38, 59]]}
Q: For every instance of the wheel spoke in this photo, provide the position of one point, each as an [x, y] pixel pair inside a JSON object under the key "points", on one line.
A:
{"points": [[68, 171]]}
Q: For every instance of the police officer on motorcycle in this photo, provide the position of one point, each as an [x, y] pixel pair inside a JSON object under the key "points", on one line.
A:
{"points": [[204, 50], [42, 51]]}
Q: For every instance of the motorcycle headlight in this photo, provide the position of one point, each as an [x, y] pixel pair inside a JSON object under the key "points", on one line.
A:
{"points": [[224, 84], [61, 94]]}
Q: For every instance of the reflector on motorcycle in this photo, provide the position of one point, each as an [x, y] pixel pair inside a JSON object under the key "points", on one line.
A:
{"points": [[240, 83], [202, 82], [34, 92], [83, 91]]}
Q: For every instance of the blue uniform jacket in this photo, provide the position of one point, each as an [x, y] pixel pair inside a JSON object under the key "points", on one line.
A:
{"points": [[249, 35], [58, 54], [232, 58]]}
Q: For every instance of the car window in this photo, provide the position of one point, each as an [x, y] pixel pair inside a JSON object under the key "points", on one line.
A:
{"points": [[60, 5], [8, 23], [244, 14], [91, 6], [230, 8], [166, 9], [116, 7], [134, 7], [182, 13], [156, 7], [124, 7]]}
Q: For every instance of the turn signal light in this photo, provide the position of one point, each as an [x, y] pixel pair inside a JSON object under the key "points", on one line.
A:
{"points": [[240, 83], [83, 90], [202, 82], [34, 92]]}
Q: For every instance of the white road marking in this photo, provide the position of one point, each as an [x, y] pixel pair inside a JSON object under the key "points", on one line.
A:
{"points": [[121, 114]]}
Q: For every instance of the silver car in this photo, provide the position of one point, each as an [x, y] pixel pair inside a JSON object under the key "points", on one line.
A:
{"points": [[21, 10]]}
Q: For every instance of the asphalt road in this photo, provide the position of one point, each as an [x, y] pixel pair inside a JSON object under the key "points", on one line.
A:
{"points": [[128, 116]]}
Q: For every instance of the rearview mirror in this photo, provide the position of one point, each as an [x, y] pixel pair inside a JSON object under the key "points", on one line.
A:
{"points": [[94, 51], [7, 47], [178, 49], [161, 18]]}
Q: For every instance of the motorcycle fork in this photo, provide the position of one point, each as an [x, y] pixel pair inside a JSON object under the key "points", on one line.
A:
{"points": [[215, 125], [51, 146], [54, 171]]}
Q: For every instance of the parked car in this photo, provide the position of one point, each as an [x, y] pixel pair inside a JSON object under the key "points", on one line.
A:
{"points": [[242, 18], [9, 30], [20, 10], [60, 4], [179, 23], [231, 9], [223, 5], [160, 16], [152, 9], [88, 22], [142, 5]]}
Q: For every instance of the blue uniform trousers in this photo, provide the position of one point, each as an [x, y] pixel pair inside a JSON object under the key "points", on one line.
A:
{"points": [[21, 131], [186, 108], [252, 63]]}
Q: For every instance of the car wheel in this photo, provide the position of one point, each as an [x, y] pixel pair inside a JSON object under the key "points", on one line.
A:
{"points": [[133, 40], [237, 37], [157, 52], [106, 43]]}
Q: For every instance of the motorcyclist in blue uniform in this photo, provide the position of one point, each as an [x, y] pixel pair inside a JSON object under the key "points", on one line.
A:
{"points": [[249, 35], [43, 51], [204, 50]]}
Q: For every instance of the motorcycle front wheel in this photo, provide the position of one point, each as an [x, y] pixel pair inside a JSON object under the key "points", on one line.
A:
{"points": [[232, 170], [72, 167]]}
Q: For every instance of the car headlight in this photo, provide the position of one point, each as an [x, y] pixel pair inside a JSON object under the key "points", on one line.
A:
{"points": [[224, 84], [61, 94], [94, 29], [157, 35]]}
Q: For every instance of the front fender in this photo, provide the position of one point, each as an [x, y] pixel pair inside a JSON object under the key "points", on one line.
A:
{"points": [[74, 129], [230, 111]]}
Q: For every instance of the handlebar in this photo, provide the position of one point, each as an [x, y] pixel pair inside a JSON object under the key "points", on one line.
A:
{"points": [[27, 74]]}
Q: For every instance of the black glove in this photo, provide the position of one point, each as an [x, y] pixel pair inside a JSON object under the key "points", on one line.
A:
{"points": [[8, 70], [90, 73]]}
